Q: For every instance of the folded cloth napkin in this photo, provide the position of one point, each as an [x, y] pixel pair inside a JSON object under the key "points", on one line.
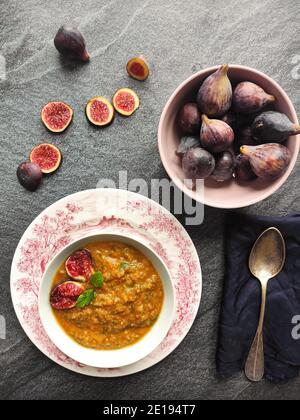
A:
{"points": [[242, 297]]}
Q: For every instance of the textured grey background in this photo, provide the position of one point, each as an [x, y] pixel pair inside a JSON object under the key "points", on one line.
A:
{"points": [[178, 38]]}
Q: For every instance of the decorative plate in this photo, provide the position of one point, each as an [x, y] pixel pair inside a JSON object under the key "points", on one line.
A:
{"points": [[114, 211]]}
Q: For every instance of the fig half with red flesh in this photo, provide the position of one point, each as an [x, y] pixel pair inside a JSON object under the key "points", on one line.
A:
{"points": [[65, 295], [57, 116], [47, 156], [100, 111], [138, 69], [79, 266], [126, 102]]}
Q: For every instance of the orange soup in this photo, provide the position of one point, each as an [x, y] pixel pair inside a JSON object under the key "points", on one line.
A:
{"points": [[124, 308]]}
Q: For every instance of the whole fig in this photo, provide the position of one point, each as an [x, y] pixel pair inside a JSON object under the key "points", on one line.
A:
{"points": [[273, 127], [244, 137], [224, 167], [249, 98], [268, 161], [215, 95], [189, 119], [70, 43], [198, 164], [231, 119], [216, 136], [243, 170], [29, 175], [237, 121], [187, 143]]}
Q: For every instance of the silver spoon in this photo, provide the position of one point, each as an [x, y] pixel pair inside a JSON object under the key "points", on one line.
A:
{"points": [[266, 262]]}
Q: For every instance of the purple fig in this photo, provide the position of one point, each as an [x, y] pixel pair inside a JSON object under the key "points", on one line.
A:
{"points": [[79, 266], [236, 121], [198, 164], [189, 119], [244, 138], [224, 167], [216, 136], [243, 170], [215, 95], [187, 143], [65, 295], [70, 43], [249, 98], [268, 161], [29, 175], [231, 119], [273, 127]]}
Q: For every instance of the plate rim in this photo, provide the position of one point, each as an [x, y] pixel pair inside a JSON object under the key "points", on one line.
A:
{"points": [[93, 371]]}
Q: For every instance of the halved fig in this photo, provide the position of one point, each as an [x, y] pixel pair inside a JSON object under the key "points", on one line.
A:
{"points": [[79, 266], [65, 295], [126, 102], [138, 68], [57, 116], [47, 156], [100, 111]]}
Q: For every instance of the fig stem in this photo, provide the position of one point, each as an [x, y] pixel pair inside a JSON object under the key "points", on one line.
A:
{"points": [[86, 56], [296, 129], [245, 150], [205, 119], [272, 98], [225, 69]]}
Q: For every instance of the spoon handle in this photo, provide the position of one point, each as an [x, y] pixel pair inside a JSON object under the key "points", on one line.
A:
{"points": [[255, 365]]}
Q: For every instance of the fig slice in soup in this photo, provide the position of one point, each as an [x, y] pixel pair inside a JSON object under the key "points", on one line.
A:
{"points": [[65, 295], [79, 266]]}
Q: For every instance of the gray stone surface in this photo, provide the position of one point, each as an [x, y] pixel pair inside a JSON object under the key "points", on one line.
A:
{"points": [[179, 38]]}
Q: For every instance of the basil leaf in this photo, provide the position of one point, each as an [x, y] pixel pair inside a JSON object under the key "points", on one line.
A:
{"points": [[86, 298], [97, 279]]}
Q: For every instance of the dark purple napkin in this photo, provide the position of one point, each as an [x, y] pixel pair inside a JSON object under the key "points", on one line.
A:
{"points": [[242, 296]]}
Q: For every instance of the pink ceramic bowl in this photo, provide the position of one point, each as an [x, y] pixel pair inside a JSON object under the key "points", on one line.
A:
{"points": [[227, 195]]}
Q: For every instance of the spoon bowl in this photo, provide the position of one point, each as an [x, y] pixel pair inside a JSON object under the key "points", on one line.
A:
{"points": [[268, 255]]}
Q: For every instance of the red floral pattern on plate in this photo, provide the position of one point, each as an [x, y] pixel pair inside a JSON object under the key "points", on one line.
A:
{"points": [[113, 211]]}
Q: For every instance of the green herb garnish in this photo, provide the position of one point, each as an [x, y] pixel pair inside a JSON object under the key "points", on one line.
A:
{"points": [[97, 279], [86, 298], [124, 265]]}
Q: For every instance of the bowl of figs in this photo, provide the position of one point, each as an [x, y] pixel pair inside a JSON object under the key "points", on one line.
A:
{"points": [[229, 137]]}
